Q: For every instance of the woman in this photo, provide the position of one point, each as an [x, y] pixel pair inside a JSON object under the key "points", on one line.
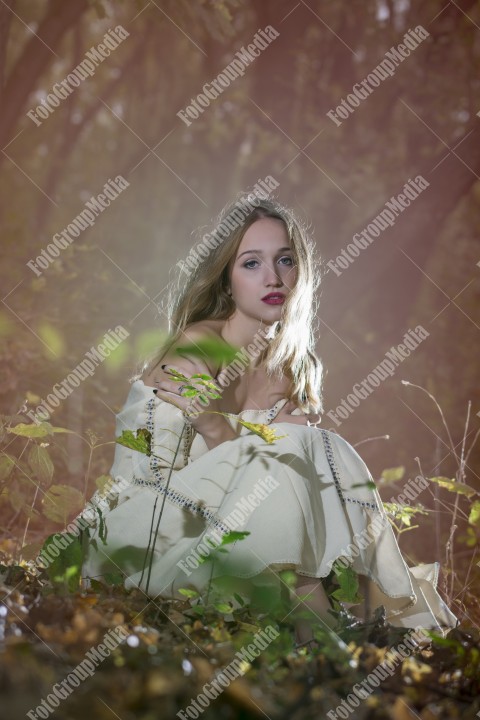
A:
{"points": [[304, 501]]}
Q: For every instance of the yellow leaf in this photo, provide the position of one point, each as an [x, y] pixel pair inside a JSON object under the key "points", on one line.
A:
{"points": [[454, 486], [32, 430], [52, 339], [61, 502], [267, 433], [102, 482], [415, 668], [390, 475], [41, 464], [474, 517]]}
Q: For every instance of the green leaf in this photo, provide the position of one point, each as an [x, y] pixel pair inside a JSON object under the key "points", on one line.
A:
{"points": [[114, 578], [102, 528], [53, 339], [32, 431], [36, 431], [64, 570], [177, 375], [454, 486], [102, 482], [370, 485], [232, 537], [223, 607], [289, 577], [198, 609], [474, 517], [348, 581], [188, 593], [404, 512], [62, 501], [190, 392], [141, 441], [390, 475], [41, 464], [209, 347], [470, 538], [7, 463]]}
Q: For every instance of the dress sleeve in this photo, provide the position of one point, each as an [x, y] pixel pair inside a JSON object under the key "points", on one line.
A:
{"points": [[171, 436]]}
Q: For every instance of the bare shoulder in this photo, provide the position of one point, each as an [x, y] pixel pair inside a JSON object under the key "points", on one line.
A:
{"points": [[204, 328], [188, 364]]}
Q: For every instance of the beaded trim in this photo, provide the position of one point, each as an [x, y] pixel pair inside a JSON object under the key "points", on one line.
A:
{"points": [[180, 500], [159, 484], [271, 412], [189, 435], [336, 475], [150, 410]]}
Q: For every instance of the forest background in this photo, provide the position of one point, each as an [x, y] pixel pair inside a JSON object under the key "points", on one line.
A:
{"points": [[272, 121]]}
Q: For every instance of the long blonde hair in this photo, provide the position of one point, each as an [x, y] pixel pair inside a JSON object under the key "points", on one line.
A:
{"points": [[204, 296]]}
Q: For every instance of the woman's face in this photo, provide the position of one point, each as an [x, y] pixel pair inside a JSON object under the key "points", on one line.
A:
{"points": [[263, 272]]}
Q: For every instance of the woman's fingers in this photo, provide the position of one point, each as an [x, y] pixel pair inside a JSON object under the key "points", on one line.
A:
{"points": [[195, 382], [173, 398]]}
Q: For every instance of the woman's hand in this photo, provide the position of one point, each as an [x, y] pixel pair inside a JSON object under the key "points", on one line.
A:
{"points": [[214, 428]]}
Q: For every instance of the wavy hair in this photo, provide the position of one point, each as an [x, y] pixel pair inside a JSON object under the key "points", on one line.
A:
{"points": [[291, 348]]}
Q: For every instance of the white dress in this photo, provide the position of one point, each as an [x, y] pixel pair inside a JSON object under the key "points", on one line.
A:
{"points": [[303, 500]]}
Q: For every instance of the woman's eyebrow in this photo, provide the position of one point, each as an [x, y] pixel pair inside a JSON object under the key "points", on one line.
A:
{"points": [[260, 252]]}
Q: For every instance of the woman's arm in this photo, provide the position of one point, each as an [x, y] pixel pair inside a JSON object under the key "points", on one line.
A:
{"points": [[215, 429]]}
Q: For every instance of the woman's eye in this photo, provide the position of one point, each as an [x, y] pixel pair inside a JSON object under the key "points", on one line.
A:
{"points": [[288, 259], [248, 263]]}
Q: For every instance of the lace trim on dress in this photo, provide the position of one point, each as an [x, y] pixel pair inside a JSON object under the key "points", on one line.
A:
{"points": [[182, 501], [336, 475], [159, 484]]}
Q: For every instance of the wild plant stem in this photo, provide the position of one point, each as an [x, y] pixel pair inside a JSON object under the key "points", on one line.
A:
{"points": [[28, 522], [167, 484], [87, 472], [149, 541]]}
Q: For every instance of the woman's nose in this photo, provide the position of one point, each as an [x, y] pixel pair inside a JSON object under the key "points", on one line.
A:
{"points": [[271, 276]]}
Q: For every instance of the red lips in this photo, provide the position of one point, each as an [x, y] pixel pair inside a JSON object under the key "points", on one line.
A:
{"points": [[274, 298]]}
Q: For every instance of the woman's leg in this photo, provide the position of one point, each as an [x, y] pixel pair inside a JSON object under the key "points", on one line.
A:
{"points": [[317, 603]]}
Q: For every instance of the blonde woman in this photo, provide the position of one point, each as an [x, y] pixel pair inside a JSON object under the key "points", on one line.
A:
{"points": [[304, 500]]}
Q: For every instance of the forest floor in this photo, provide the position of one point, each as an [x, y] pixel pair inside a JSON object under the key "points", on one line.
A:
{"points": [[163, 660]]}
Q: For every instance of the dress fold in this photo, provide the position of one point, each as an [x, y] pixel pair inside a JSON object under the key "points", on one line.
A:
{"points": [[306, 501]]}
